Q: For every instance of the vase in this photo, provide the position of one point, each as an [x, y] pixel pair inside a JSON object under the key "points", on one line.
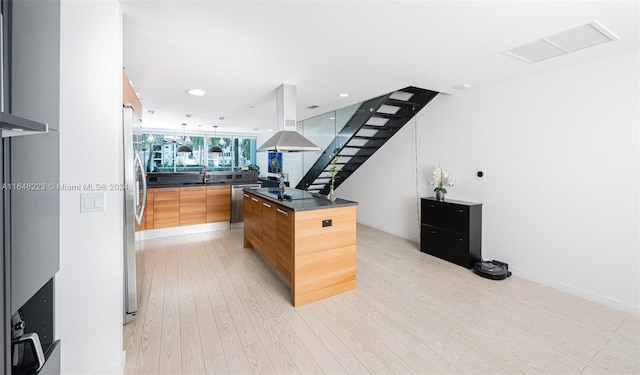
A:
{"points": [[440, 195], [331, 197], [282, 185]]}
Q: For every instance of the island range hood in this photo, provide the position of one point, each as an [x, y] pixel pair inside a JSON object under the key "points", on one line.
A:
{"points": [[287, 139]]}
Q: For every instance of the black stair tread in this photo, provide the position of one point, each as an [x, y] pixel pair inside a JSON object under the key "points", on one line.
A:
{"points": [[356, 155], [379, 127], [388, 115], [362, 147], [400, 103], [369, 138]]}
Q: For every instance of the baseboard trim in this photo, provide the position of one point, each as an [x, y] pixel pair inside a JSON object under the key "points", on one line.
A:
{"points": [[177, 231], [590, 296]]}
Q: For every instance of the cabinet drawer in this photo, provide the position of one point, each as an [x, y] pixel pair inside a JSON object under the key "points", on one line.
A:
{"points": [[445, 215], [166, 194], [446, 245]]}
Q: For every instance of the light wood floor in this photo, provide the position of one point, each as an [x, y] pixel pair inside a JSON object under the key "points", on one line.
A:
{"points": [[208, 306]]}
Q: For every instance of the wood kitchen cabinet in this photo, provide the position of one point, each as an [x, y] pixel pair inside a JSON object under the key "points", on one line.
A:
{"points": [[451, 230], [255, 225], [247, 213], [166, 207], [269, 233], [315, 246], [252, 212], [218, 203], [284, 242], [193, 205], [148, 211], [179, 206]]}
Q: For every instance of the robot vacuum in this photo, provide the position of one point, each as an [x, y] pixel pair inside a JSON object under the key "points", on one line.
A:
{"points": [[492, 269]]}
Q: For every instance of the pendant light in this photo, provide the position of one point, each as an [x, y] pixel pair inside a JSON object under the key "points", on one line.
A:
{"points": [[151, 138], [215, 149], [184, 148], [221, 141]]}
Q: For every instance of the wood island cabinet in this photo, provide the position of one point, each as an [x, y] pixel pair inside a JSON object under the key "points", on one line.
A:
{"points": [[193, 205], [451, 230], [313, 249], [166, 207], [255, 225], [218, 203], [284, 242], [269, 233]]}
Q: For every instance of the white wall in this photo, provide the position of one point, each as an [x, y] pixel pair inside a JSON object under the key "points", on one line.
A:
{"points": [[561, 196], [89, 285]]}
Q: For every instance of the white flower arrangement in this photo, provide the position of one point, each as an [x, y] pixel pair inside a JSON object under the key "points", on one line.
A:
{"points": [[440, 177]]}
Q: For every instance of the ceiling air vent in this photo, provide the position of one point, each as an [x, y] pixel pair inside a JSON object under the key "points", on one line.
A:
{"points": [[577, 38]]}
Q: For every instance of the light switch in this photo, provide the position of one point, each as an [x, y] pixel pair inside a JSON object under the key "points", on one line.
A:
{"points": [[92, 202], [98, 202], [87, 204]]}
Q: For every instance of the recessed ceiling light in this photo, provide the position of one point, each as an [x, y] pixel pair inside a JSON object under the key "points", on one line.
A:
{"points": [[269, 130], [196, 92], [343, 95], [462, 86]]}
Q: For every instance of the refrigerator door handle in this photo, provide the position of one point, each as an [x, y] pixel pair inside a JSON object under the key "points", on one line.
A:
{"points": [[140, 211]]}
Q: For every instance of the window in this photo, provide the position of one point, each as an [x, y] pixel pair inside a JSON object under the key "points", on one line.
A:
{"points": [[159, 151]]}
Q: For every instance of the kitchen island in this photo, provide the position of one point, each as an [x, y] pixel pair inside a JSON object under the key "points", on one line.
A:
{"points": [[310, 241]]}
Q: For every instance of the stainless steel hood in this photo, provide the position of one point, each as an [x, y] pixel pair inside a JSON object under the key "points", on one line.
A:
{"points": [[287, 139]]}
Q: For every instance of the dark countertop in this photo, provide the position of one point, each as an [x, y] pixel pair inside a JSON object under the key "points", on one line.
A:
{"points": [[190, 184], [214, 178], [300, 200]]}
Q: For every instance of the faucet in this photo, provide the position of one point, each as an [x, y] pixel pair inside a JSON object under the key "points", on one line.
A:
{"points": [[205, 178]]}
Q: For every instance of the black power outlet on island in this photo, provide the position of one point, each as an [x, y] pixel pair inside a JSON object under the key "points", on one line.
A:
{"points": [[327, 223]]}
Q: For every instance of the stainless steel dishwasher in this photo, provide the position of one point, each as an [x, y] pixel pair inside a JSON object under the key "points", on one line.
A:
{"points": [[237, 205]]}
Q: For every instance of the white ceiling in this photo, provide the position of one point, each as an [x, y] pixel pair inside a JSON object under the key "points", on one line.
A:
{"points": [[241, 51]]}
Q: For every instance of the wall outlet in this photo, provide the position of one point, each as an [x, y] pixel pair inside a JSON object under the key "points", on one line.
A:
{"points": [[481, 174]]}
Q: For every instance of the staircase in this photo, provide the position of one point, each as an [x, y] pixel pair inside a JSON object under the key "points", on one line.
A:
{"points": [[372, 125]]}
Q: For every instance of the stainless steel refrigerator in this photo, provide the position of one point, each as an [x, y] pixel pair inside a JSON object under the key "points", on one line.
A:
{"points": [[135, 196]]}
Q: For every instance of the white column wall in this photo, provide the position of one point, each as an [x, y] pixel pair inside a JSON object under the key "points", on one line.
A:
{"points": [[89, 286], [561, 193]]}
